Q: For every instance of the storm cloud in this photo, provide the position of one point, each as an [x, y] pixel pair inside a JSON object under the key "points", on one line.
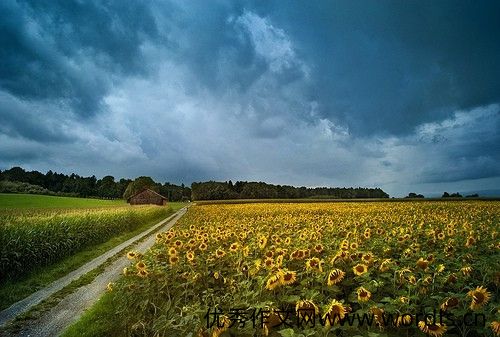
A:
{"points": [[400, 95]]}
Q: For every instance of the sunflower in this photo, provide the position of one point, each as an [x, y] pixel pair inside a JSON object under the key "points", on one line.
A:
{"points": [[466, 270], [495, 327], [287, 277], [173, 259], [360, 269], [140, 265], [142, 273], [269, 254], [125, 271], [269, 263], [287, 241], [131, 255], [378, 314], [273, 282], [422, 264], [314, 264], [433, 329], [262, 242], [219, 253], [480, 296], [404, 320], [306, 309], [354, 246], [318, 248], [190, 256], [363, 294], [384, 266], [109, 287], [234, 247], [279, 260], [452, 278], [368, 258], [172, 251], [470, 242], [202, 246], [178, 243], [335, 276], [404, 299], [450, 302], [336, 311]]}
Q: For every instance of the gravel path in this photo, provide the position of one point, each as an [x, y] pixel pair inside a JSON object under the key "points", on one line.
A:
{"points": [[69, 309]]}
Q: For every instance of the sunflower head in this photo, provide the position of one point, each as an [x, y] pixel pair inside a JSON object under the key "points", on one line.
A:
{"points": [[314, 264], [335, 312], [273, 282], [306, 309], [360, 269], [142, 273], [495, 327], [335, 276], [219, 253], [287, 277], [432, 329], [262, 242], [422, 264], [173, 259], [363, 294], [449, 303], [480, 296]]}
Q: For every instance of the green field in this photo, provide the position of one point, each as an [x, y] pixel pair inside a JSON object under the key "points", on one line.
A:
{"points": [[30, 201], [45, 237]]}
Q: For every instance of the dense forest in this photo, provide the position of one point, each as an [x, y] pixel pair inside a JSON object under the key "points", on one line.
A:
{"points": [[213, 190], [17, 180]]}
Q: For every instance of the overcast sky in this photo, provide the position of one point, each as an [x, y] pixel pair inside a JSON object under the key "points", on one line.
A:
{"points": [[403, 95]]}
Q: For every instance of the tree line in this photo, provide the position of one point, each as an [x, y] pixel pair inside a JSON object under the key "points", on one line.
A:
{"points": [[213, 190], [18, 180]]}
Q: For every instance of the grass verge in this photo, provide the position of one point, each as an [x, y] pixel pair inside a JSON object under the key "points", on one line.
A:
{"points": [[12, 291], [99, 320]]}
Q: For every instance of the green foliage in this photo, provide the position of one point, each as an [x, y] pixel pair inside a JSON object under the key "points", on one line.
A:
{"points": [[17, 180], [213, 190], [138, 184]]}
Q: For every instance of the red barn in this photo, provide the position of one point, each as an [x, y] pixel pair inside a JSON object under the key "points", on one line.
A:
{"points": [[147, 196]]}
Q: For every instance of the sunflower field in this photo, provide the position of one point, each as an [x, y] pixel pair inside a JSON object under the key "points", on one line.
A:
{"points": [[318, 269], [29, 239]]}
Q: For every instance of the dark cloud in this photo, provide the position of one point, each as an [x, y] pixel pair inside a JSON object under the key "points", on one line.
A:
{"points": [[386, 67], [384, 93], [70, 50]]}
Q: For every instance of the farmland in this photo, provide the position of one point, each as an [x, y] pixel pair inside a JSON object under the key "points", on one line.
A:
{"points": [[305, 269], [31, 201], [44, 237]]}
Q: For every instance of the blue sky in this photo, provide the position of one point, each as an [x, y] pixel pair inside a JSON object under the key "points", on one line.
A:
{"points": [[403, 95]]}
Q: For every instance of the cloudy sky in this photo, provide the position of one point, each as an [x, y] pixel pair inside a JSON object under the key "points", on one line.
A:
{"points": [[404, 95]]}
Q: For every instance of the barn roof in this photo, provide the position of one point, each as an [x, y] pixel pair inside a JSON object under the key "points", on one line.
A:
{"points": [[146, 189]]}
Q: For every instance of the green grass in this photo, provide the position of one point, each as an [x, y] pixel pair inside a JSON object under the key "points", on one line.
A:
{"points": [[99, 320], [30, 201], [13, 291]]}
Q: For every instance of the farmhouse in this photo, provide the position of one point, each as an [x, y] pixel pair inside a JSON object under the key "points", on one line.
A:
{"points": [[147, 196]]}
